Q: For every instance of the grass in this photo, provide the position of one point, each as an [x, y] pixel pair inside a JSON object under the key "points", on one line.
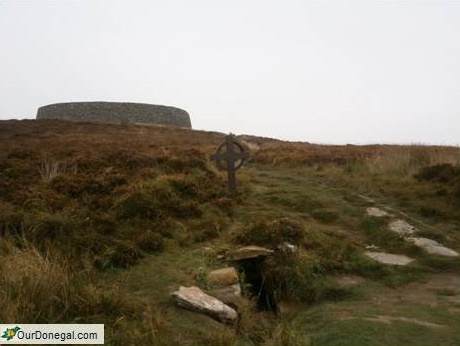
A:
{"points": [[35, 287], [348, 323], [362, 332], [100, 223]]}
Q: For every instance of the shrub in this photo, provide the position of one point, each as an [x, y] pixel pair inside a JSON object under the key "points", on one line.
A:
{"points": [[206, 230], [139, 203], [431, 212], [284, 274], [295, 278], [103, 223], [124, 255], [185, 185], [52, 226], [443, 173], [11, 219], [156, 199], [150, 241], [272, 233]]}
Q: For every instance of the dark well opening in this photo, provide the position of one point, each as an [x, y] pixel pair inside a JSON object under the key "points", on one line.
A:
{"points": [[252, 268]]}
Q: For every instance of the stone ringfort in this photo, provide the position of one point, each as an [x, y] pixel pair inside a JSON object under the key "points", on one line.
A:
{"points": [[116, 112]]}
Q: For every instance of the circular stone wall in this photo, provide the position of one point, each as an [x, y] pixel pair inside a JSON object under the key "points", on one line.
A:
{"points": [[116, 112]]}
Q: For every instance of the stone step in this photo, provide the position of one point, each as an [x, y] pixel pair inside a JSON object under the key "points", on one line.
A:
{"points": [[433, 247], [387, 258], [377, 212], [402, 228]]}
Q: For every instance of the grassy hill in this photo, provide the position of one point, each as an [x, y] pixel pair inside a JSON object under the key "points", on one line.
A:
{"points": [[100, 223]]}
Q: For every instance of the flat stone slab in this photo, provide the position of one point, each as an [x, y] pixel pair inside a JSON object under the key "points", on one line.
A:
{"points": [[433, 247], [373, 211], [194, 299], [247, 252], [402, 228], [387, 258], [223, 277]]}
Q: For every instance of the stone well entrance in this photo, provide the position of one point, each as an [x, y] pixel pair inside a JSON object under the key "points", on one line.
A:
{"points": [[250, 263]]}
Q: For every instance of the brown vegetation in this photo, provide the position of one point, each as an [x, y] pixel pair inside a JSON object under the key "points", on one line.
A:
{"points": [[81, 199]]}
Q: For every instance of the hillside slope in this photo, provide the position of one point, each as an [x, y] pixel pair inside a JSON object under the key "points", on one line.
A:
{"points": [[100, 223]]}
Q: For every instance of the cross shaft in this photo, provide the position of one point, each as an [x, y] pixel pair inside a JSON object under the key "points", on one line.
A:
{"points": [[232, 157]]}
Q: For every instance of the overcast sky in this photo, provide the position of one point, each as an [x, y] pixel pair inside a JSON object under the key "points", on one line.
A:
{"points": [[318, 71]]}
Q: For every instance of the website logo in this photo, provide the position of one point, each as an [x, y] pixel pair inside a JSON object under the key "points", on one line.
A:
{"points": [[10, 333]]}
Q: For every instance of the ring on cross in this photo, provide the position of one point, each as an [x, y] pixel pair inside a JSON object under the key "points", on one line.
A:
{"points": [[230, 156]]}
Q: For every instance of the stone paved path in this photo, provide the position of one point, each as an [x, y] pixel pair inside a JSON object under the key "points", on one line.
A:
{"points": [[407, 232]]}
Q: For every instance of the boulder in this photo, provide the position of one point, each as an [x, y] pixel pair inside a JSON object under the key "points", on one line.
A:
{"points": [[223, 277], [433, 247], [247, 252], [387, 258], [194, 299]]}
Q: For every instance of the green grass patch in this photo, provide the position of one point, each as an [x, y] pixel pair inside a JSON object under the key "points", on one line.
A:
{"points": [[325, 215], [363, 332]]}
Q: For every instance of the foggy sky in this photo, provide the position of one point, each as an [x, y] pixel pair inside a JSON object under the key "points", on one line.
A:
{"points": [[319, 71]]}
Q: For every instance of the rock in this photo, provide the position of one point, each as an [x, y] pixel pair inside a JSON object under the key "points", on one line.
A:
{"points": [[372, 211], [229, 294], [207, 249], [223, 277], [371, 247], [402, 228], [367, 199], [387, 258], [288, 248], [433, 247], [234, 289], [194, 299], [246, 252]]}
